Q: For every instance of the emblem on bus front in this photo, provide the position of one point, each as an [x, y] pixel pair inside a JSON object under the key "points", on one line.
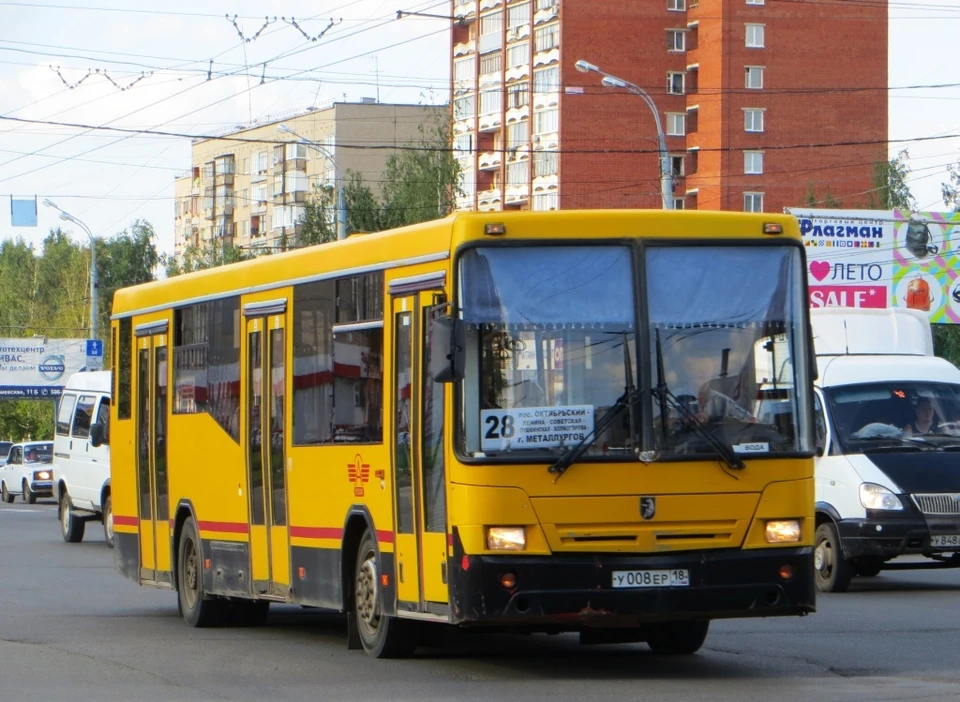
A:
{"points": [[648, 507]]}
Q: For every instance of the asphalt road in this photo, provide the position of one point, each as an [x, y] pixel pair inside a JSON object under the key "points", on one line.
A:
{"points": [[72, 628]]}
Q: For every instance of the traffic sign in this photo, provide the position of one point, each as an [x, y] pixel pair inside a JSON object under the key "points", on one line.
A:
{"points": [[94, 347]]}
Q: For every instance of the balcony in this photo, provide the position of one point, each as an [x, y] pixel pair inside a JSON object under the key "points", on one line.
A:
{"points": [[490, 4], [518, 114], [516, 194], [519, 32], [295, 164], [516, 73], [465, 47], [466, 9], [541, 100], [546, 183], [549, 13], [489, 200], [225, 178], [490, 122], [545, 58], [546, 142], [489, 160]]}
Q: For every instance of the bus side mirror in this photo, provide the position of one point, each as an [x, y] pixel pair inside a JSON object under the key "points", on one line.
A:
{"points": [[96, 434], [447, 349]]}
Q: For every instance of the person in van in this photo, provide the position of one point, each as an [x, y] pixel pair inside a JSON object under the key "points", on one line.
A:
{"points": [[925, 421]]}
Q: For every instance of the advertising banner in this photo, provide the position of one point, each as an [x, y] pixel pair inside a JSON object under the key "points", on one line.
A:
{"points": [[883, 258], [39, 368]]}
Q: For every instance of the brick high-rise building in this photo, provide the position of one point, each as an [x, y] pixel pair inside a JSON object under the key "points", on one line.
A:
{"points": [[750, 93]]}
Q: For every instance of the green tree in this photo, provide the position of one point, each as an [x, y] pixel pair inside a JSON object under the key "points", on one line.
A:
{"points": [[827, 201], [951, 189], [128, 258], [198, 259], [890, 182], [318, 225]]}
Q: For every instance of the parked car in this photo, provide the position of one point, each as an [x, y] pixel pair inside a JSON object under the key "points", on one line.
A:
{"points": [[82, 447], [4, 451], [28, 472]]}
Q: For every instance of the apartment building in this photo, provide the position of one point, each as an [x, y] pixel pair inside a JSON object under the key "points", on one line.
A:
{"points": [[249, 185], [761, 102]]}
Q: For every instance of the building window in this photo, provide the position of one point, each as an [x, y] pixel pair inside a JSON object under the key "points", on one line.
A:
{"points": [[464, 106], [518, 55], [753, 162], [491, 32], [518, 94], [546, 201], [676, 5], [752, 119], [693, 158], [518, 134], [546, 122], [491, 63], [518, 173], [676, 166], [491, 101], [754, 36], [753, 202], [546, 80], [675, 82], [206, 362], [262, 162], [258, 193], [756, 2], [297, 151], [463, 72], [463, 144], [546, 38], [754, 77], [518, 16], [693, 115], [678, 203], [676, 40], [676, 124], [545, 163]]}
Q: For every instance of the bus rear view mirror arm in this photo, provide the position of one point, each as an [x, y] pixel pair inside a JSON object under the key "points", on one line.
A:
{"points": [[447, 350]]}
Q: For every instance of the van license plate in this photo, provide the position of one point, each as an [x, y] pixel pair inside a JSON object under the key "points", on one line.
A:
{"points": [[945, 541], [652, 578]]}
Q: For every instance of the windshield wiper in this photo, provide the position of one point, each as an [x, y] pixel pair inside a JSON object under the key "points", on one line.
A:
{"points": [[573, 454], [628, 400], [669, 400]]}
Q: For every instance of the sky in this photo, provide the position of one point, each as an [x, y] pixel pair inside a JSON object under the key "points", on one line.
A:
{"points": [[190, 68]]}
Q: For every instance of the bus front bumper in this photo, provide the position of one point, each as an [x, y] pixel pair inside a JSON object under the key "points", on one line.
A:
{"points": [[576, 591]]}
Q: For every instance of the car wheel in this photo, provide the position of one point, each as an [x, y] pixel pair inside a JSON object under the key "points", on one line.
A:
{"points": [[107, 517], [196, 610], [71, 526], [832, 571], [381, 636], [28, 495], [7, 497], [678, 638]]}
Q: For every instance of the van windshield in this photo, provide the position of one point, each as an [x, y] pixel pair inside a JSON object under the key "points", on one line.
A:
{"points": [[872, 414]]}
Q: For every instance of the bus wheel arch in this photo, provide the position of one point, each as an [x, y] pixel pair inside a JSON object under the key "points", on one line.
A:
{"points": [[184, 512]]}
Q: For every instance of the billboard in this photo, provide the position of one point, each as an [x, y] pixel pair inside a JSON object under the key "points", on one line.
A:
{"points": [[883, 258], [39, 368]]}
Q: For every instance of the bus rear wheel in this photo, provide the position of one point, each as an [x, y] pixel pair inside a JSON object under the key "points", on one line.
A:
{"points": [[196, 610], [678, 638], [381, 636]]}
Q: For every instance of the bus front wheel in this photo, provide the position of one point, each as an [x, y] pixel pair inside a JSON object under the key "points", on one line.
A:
{"points": [[678, 638], [381, 636], [196, 610]]}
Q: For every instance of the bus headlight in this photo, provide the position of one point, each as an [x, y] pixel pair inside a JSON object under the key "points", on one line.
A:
{"points": [[783, 531], [874, 496], [506, 538]]}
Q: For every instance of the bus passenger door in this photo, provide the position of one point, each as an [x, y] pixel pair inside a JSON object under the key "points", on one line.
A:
{"points": [[418, 459], [153, 494], [265, 378]]}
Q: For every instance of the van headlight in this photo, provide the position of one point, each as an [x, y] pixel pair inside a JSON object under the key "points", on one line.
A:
{"points": [[873, 496], [506, 538]]}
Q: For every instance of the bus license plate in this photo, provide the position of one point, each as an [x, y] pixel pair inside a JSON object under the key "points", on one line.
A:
{"points": [[651, 578], [945, 541]]}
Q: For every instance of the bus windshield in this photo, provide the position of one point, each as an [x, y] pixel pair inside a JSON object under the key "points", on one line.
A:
{"points": [[729, 354], [550, 347]]}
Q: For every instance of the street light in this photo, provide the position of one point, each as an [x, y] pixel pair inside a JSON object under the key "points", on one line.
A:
{"points": [[666, 172], [341, 204], [94, 281]]}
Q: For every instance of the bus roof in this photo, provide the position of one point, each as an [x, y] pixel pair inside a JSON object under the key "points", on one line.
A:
{"points": [[434, 241]]}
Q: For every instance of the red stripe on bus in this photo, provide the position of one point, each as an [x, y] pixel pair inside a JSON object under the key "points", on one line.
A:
{"points": [[450, 540], [385, 537], [316, 532], [225, 527], [125, 521]]}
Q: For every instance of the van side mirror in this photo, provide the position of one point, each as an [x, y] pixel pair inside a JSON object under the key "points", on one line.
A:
{"points": [[448, 342], [820, 451], [96, 434]]}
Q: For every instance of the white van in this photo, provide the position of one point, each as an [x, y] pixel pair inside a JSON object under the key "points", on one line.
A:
{"points": [[888, 443], [81, 448]]}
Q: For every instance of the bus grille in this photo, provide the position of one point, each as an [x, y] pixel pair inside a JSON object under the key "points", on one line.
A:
{"points": [[938, 504]]}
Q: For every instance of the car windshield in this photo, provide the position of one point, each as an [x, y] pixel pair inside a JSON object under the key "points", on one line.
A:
{"points": [[550, 348], [38, 453], [728, 349], [869, 415]]}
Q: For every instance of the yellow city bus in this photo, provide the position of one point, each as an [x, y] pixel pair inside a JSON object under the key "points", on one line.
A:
{"points": [[585, 421]]}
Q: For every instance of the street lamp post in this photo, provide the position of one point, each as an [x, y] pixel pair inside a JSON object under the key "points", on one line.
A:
{"points": [[666, 172], [94, 280], [341, 203]]}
